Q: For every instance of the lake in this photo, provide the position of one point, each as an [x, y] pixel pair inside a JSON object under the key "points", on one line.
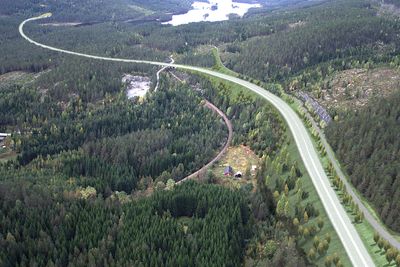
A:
{"points": [[214, 10]]}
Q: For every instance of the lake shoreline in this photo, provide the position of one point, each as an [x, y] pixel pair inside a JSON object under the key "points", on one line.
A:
{"points": [[212, 11]]}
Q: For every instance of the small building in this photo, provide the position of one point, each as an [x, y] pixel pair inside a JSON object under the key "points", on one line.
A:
{"points": [[228, 171], [3, 136], [238, 175]]}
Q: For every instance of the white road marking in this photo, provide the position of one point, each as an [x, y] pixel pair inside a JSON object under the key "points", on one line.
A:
{"points": [[355, 249]]}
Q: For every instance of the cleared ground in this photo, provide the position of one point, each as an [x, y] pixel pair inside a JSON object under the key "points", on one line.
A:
{"points": [[239, 158], [16, 77], [353, 88]]}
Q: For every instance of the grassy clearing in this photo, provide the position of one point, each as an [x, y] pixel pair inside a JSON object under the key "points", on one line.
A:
{"points": [[367, 236], [233, 89], [142, 10], [7, 155], [219, 66], [18, 77], [239, 158]]}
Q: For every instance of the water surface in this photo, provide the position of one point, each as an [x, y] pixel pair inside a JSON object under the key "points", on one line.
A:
{"points": [[214, 10]]}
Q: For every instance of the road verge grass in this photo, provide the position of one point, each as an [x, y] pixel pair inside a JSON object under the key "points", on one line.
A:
{"points": [[219, 66], [335, 246], [364, 228]]}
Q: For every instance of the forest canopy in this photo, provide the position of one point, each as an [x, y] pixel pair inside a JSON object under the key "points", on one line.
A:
{"points": [[367, 143]]}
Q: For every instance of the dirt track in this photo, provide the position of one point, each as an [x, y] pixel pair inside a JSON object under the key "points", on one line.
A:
{"points": [[224, 149]]}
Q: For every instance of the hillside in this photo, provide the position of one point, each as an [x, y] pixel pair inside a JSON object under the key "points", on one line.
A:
{"points": [[91, 177]]}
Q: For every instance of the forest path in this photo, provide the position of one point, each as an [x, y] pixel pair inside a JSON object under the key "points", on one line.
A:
{"points": [[228, 124], [161, 70], [220, 113], [346, 231]]}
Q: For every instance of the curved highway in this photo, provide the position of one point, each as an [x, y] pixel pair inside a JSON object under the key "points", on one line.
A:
{"points": [[345, 229]]}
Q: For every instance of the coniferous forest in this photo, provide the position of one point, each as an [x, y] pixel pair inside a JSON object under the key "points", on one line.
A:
{"points": [[91, 178], [368, 144], [47, 231]]}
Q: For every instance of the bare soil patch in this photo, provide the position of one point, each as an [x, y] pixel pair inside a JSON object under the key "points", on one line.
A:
{"points": [[12, 76], [296, 24], [354, 88]]}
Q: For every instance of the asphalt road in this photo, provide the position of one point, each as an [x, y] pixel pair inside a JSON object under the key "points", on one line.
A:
{"points": [[367, 214], [345, 229]]}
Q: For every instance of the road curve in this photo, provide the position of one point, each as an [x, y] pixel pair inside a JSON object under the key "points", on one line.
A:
{"points": [[228, 124], [345, 229], [161, 70]]}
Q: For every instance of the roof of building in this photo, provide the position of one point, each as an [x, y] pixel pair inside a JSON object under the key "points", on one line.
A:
{"points": [[228, 169]]}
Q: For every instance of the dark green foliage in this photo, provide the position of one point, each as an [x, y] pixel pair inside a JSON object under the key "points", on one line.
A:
{"points": [[16, 53], [168, 109], [92, 10], [198, 59], [367, 143], [37, 229], [78, 130], [167, 132], [193, 225], [255, 122], [100, 174], [99, 39], [214, 235], [394, 2], [336, 31], [18, 105]]}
